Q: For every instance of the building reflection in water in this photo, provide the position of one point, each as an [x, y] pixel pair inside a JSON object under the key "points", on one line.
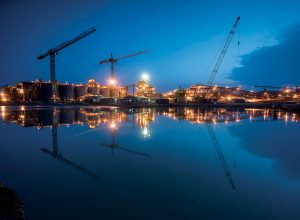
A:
{"points": [[93, 117], [112, 118], [221, 115], [143, 119]]}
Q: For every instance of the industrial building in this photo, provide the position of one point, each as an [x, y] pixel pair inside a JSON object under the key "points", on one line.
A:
{"points": [[144, 89], [44, 92], [28, 91], [221, 94]]}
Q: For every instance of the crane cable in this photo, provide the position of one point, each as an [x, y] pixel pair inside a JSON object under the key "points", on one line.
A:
{"points": [[239, 42]]}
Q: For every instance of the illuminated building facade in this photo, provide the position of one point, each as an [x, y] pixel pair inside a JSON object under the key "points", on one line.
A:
{"points": [[39, 91], [28, 91], [143, 88]]}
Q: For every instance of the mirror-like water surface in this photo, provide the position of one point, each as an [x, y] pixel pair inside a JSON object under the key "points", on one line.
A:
{"points": [[185, 163]]}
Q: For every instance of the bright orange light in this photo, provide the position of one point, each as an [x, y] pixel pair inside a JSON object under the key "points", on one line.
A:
{"points": [[112, 82], [113, 125]]}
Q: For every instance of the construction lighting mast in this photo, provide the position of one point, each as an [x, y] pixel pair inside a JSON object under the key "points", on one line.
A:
{"points": [[54, 51], [221, 57], [113, 60]]}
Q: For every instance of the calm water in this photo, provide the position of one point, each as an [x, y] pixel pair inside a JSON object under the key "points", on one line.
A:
{"points": [[110, 163]]}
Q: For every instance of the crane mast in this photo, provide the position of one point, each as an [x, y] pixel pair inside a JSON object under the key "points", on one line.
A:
{"points": [[221, 57]]}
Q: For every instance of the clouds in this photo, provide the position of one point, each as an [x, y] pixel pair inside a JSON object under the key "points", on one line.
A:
{"points": [[273, 65], [283, 148]]}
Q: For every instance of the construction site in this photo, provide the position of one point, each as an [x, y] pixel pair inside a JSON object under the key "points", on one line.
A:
{"points": [[141, 93]]}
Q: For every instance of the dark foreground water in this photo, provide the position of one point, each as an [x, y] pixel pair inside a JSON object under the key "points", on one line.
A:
{"points": [[102, 163]]}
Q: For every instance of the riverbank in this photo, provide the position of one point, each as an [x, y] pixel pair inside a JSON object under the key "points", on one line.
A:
{"points": [[10, 205]]}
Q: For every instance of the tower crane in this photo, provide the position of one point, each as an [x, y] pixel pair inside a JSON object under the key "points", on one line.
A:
{"points": [[54, 51], [220, 59], [59, 47], [113, 60]]}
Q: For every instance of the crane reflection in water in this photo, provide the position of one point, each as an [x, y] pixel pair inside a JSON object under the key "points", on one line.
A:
{"points": [[110, 119], [55, 153]]}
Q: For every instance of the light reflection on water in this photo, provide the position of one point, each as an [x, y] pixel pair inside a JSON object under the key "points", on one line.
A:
{"points": [[168, 163]]}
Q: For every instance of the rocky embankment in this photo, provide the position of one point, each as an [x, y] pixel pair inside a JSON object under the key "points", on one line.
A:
{"points": [[10, 205]]}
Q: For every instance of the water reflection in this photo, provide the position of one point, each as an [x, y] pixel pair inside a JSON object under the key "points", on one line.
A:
{"points": [[112, 118], [167, 161], [219, 115], [113, 145], [55, 153], [220, 155], [93, 117]]}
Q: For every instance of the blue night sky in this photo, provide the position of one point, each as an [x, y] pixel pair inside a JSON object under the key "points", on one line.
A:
{"points": [[183, 36]]}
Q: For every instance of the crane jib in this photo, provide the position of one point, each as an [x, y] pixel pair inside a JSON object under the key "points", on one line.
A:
{"points": [[66, 43], [55, 50], [221, 57]]}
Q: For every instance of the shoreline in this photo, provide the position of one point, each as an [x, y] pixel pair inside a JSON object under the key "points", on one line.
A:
{"points": [[11, 207]]}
